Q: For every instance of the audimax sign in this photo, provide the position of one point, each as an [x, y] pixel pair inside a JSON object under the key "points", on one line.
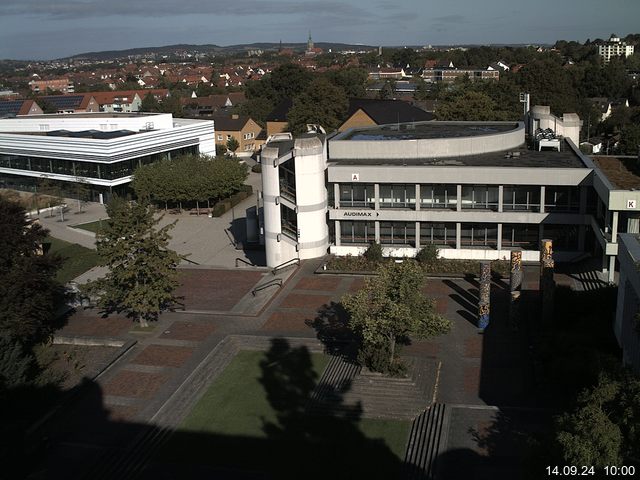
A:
{"points": [[360, 214]]}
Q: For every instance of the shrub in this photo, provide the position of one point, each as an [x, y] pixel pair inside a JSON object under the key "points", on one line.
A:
{"points": [[247, 188], [218, 209], [257, 168], [427, 255], [374, 252]]}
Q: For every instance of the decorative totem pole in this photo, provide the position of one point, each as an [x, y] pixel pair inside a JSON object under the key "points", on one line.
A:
{"points": [[547, 283], [484, 300], [515, 284]]}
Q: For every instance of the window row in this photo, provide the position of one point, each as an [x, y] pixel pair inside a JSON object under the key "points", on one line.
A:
{"points": [[104, 171], [480, 235], [445, 197]]}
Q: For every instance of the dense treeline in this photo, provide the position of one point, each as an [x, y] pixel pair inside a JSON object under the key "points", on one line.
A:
{"points": [[190, 178]]}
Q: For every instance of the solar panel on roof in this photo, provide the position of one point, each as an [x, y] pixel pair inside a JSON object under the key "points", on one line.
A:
{"points": [[10, 108]]}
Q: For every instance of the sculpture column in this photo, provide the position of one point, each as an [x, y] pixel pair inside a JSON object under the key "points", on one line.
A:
{"points": [[547, 283], [515, 285], [484, 298]]}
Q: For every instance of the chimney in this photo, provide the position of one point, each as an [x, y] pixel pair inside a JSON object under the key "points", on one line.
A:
{"points": [[235, 116]]}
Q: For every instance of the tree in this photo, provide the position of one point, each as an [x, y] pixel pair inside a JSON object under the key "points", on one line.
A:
{"points": [[27, 278], [392, 308], [150, 104], [630, 139], [233, 144], [468, 106], [321, 103], [81, 191], [387, 91], [142, 269]]}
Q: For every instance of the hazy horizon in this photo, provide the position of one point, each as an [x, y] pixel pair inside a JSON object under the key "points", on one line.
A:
{"points": [[44, 30]]}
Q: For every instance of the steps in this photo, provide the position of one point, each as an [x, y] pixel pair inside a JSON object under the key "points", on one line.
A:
{"points": [[426, 437]]}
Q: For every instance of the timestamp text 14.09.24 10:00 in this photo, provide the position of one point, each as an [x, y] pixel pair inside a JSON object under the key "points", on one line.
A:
{"points": [[579, 471]]}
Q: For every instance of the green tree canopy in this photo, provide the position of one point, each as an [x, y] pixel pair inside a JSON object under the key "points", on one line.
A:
{"points": [[142, 269], [390, 308], [321, 103], [27, 278]]}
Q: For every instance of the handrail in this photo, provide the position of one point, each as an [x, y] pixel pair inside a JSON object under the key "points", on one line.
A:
{"points": [[190, 261], [285, 264], [238, 259], [231, 237], [270, 283]]}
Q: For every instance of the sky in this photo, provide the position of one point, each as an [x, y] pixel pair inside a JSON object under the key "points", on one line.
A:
{"points": [[47, 29]]}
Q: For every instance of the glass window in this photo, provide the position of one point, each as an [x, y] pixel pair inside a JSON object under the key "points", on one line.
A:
{"points": [[63, 167], [397, 195], [438, 196], [87, 169], [289, 222], [398, 233], [440, 234], [361, 233], [521, 197], [40, 165], [357, 195], [561, 199], [480, 197], [479, 235], [524, 236]]}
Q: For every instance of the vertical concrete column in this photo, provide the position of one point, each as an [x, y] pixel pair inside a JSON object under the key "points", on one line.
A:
{"points": [[459, 198], [417, 196], [501, 198], [499, 239], [458, 236], [612, 269], [418, 235], [484, 297], [547, 283], [376, 198], [338, 233], [336, 195], [543, 192], [377, 231], [515, 285], [614, 228]]}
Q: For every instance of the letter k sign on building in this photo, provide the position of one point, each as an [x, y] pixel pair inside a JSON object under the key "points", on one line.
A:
{"points": [[355, 177]]}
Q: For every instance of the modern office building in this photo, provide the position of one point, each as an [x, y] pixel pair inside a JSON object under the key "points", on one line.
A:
{"points": [[101, 149], [475, 190]]}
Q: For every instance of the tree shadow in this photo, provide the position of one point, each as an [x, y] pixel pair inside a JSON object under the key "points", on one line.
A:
{"points": [[332, 329], [253, 251], [84, 438]]}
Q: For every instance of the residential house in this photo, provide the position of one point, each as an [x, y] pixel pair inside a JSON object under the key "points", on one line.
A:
{"points": [[212, 104], [13, 108], [78, 103], [63, 85], [243, 129], [365, 112]]}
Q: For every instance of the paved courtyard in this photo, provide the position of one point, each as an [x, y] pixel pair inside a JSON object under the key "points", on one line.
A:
{"points": [[479, 376]]}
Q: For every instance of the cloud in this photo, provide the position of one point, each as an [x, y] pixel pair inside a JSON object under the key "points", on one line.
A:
{"points": [[450, 19], [65, 9]]}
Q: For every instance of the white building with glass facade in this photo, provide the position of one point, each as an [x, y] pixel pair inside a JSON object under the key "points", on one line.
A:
{"points": [[101, 149], [475, 190]]}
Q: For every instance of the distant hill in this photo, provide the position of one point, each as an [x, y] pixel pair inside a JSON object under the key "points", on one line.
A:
{"points": [[208, 49]]}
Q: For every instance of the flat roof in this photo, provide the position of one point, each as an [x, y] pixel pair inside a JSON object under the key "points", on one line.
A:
{"points": [[623, 173], [427, 130], [89, 115], [522, 157]]}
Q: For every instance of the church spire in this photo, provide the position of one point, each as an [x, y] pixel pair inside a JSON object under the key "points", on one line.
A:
{"points": [[309, 43]]}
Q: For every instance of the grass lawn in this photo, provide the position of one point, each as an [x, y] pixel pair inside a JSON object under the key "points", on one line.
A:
{"points": [[91, 226], [252, 421], [77, 259]]}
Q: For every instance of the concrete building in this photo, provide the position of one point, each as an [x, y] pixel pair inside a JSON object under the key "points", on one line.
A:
{"points": [[475, 190], [102, 149], [62, 85], [627, 323], [614, 48]]}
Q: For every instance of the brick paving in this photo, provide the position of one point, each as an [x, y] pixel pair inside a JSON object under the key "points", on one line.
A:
{"points": [[189, 331], [134, 384], [219, 290], [476, 370], [301, 300], [164, 355]]}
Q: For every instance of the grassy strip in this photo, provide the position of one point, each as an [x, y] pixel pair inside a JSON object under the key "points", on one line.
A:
{"points": [[236, 425], [77, 259], [91, 226]]}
